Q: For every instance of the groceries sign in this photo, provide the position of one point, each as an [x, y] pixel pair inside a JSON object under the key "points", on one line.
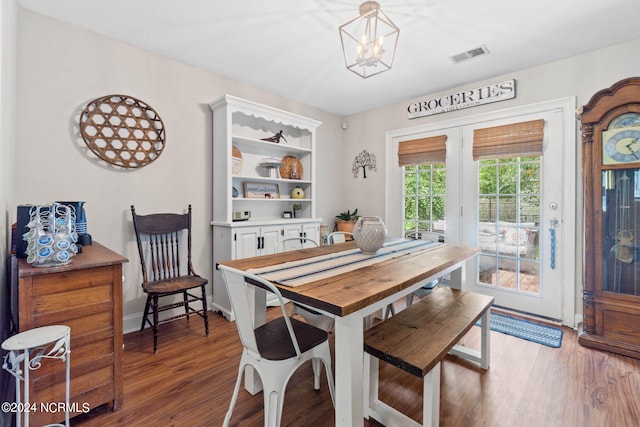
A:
{"points": [[469, 98]]}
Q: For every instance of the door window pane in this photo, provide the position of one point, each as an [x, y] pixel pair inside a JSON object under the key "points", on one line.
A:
{"points": [[509, 223], [424, 199]]}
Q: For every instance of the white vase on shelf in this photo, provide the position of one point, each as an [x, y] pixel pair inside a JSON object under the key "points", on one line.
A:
{"points": [[369, 233]]}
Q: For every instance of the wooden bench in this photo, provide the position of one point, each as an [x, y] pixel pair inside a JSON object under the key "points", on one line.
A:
{"points": [[416, 340]]}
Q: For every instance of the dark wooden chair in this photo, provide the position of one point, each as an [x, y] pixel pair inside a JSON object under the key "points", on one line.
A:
{"points": [[164, 258]]}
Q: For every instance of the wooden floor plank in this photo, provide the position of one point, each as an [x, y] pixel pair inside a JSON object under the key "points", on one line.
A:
{"points": [[190, 381]]}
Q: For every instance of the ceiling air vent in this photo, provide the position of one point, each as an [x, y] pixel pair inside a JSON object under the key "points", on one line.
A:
{"points": [[472, 53]]}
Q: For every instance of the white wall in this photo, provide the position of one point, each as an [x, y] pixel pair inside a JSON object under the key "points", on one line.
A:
{"points": [[8, 18], [60, 69]]}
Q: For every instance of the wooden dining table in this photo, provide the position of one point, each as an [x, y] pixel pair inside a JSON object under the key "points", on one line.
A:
{"points": [[351, 291]]}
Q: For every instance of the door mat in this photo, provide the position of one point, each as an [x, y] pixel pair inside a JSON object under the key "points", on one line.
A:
{"points": [[525, 329]]}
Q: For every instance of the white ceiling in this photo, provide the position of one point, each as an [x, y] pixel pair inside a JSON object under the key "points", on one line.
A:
{"points": [[292, 47]]}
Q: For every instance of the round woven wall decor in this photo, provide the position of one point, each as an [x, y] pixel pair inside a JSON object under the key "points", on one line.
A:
{"points": [[122, 131]]}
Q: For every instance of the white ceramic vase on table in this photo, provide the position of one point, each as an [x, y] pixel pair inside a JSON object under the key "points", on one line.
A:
{"points": [[369, 232]]}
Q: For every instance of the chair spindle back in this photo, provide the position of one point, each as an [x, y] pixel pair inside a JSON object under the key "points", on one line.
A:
{"points": [[160, 238]]}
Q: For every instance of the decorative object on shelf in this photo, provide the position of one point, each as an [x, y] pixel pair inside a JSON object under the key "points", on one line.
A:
{"points": [[297, 207], [346, 220], [52, 237], [297, 193], [84, 238], [272, 164], [241, 215], [275, 138], [261, 190], [369, 233], [364, 160], [292, 168], [122, 131], [364, 39], [236, 161], [287, 214], [234, 192]]}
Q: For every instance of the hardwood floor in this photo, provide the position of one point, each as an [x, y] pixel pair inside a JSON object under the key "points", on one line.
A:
{"points": [[190, 381]]}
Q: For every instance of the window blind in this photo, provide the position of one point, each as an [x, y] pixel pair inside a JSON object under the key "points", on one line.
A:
{"points": [[422, 151], [514, 140]]}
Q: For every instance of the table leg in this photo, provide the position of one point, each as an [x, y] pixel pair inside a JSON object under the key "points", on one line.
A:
{"points": [[457, 278], [349, 363]]}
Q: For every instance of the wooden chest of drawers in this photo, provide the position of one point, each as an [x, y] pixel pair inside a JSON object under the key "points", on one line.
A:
{"points": [[85, 295]]}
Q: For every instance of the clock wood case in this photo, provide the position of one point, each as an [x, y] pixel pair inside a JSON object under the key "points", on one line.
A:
{"points": [[610, 125]]}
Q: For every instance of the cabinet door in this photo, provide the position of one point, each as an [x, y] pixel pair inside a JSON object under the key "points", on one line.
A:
{"points": [[311, 231], [246, 242], [270, 236], [291, 230]]}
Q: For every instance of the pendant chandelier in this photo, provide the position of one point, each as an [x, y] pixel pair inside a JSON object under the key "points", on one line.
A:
{"points": [[369, 41]]}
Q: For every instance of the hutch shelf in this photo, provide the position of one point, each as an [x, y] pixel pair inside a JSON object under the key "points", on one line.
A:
{"points": [[260, 156]]}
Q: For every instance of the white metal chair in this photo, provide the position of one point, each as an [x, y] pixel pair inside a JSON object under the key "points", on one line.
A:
{"points": [[433, 236], [276, 349], [26, 351], [316, 319], [294, 243], [338, 237]]}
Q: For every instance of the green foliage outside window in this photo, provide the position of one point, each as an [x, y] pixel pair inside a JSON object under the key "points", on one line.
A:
{"points": [[510, 188], [509, 191], [424, 190]]}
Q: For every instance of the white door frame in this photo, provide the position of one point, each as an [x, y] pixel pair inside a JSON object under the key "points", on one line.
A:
{"points": [[567, 230]]}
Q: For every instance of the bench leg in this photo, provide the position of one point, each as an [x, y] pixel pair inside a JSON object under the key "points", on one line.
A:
{"points": [[371, 381], [484, 340], [480, 357], [431, 401], [390, 416]]}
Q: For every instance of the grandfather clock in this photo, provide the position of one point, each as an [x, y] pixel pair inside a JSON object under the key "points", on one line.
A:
{"points": [[610, 124]]}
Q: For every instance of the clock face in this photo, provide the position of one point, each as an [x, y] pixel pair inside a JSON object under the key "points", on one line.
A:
{"points": [[621, 142]]}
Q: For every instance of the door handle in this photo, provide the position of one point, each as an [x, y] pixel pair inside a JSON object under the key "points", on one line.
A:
{"points": [[552, 238]]}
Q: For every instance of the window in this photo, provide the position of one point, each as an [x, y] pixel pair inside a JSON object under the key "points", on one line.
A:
{"points": [[424, 199], [423, 160]]}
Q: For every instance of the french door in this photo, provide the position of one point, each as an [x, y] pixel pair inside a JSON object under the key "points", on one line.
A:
{"points": [[519, 211], [514, 215]]}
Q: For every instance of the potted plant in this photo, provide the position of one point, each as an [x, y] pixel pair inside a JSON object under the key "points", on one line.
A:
{"points": [[346, 220], [297, 207]]}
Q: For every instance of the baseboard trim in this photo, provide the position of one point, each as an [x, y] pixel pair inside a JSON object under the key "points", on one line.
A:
{"points": [[225, 312]]}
